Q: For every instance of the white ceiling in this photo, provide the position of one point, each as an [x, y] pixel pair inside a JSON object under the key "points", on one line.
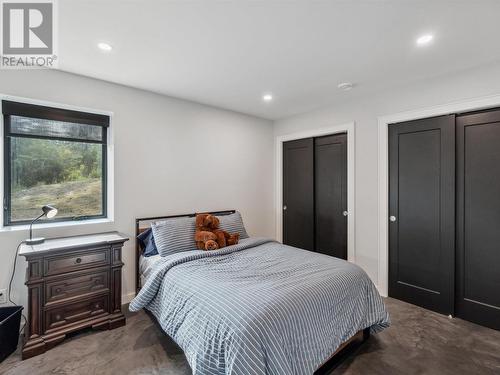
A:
{"points": [[228, 54]]}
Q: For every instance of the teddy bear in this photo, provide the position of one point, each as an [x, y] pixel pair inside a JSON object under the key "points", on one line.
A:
{"points": [[208, 236]]}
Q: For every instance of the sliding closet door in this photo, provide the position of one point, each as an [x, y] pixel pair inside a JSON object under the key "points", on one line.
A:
{"points": [[330, 157], [298, 193], [421, 205], [478, 218]]}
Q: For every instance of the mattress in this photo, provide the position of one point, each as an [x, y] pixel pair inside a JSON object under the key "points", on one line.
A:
{"points": [[146, 264], [259, 307]]}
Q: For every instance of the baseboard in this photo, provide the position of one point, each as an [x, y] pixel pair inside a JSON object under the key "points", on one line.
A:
{"points": [[126, 298], [380, 291]]}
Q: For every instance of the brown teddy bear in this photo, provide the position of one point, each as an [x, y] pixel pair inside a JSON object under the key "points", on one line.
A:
{"points": [[208, 236]]}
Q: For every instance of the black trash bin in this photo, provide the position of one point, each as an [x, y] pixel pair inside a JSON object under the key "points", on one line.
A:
{"points": [[10, 320]]}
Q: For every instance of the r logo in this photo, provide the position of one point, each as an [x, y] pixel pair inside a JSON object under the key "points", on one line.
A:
{"points": [[27, 28]]}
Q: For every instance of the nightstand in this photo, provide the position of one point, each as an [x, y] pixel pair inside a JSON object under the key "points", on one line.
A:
{"points": [[73, 283]]}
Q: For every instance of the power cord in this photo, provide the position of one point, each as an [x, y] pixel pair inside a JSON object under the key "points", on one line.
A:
{"points": [[13, 272], [10, 284]]}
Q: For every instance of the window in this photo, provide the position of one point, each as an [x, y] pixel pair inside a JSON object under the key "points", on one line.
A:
{"points": [[53, 156]]}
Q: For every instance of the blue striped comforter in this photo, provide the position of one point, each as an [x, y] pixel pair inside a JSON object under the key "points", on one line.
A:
{"points": [[260, 307]]}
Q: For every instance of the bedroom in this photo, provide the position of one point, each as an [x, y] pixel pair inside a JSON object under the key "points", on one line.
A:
{"points": [[195, 107]]}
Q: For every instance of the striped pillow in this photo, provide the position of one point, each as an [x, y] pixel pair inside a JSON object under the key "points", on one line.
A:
{"points": [[174, 235], [233, 223]]}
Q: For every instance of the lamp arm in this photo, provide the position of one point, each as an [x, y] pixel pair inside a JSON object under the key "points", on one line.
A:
{"points": [[31, 225]]}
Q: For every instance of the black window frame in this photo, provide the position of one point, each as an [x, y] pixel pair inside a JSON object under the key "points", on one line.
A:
{"points": [[10, 108]]}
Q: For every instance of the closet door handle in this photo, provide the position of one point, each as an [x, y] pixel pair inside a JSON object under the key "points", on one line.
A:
{"points": [[284, 207], [345, 213], [392, 218]]}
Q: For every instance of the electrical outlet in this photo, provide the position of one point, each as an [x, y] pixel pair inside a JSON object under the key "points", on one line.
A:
{"points": [[3, 295]]}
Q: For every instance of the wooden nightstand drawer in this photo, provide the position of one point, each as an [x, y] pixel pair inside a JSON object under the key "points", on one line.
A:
{"points": [[76, 261], [83, 284], [77, 312]]}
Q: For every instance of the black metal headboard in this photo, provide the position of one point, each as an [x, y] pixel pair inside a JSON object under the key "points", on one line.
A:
{"points": [[143, 223]]}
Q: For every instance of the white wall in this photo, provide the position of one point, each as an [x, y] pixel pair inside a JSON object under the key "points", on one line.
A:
{"points": [[364, 112], [171, 156]]}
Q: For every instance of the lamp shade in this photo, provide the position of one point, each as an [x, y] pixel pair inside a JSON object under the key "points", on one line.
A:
{"points": [[49, 211]]}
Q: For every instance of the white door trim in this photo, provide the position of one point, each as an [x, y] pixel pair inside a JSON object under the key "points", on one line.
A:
{"points": [[383, 165], [343, 128]]}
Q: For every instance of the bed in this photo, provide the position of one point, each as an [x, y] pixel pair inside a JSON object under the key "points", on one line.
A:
{"points": [[259, 306]]}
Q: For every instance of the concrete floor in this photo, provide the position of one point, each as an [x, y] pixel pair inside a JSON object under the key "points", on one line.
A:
{"points": [[418, 342]]}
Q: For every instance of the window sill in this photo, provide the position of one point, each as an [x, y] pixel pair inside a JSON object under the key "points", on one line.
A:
{"points": [[60, 224]]}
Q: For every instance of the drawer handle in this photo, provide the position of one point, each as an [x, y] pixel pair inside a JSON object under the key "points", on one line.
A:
{"points": [[58, 317], [78, 260], [58, 290]]}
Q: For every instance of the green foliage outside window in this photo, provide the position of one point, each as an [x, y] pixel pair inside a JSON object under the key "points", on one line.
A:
{"points": [[40, 161]]}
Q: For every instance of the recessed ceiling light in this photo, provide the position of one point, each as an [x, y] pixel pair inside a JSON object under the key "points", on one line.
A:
{"points": [[267, 98], [425, 39], [346, 86], [104, 46]]}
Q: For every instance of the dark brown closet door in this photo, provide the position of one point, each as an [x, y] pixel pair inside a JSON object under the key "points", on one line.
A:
{"points": [[421, 205], [330, 157], [478, 218], [298, 193]]}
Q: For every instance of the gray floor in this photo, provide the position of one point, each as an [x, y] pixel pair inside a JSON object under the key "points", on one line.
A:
{"points": [[418, 342]]}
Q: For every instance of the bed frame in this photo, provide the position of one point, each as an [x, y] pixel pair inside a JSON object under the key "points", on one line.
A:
{"points": [[343, 351]]}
